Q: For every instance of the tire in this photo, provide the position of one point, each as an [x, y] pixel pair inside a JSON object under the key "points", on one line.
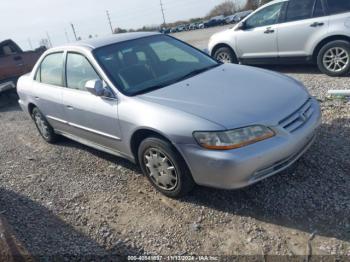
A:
{"points": [[338, 50], [45, 129], [171, 174], [225, 55]]}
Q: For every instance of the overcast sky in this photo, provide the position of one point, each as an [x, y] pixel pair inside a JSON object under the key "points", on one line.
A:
{"points": [[22, 20]]}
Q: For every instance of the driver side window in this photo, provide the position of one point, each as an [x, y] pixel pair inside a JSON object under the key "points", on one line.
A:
{"points": [[265, 17], [79, 71]]}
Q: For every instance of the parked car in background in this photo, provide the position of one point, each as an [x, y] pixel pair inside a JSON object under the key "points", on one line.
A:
{"points": [[193, 26], [165, 30], [180, 28], [182, 116], [230, 19], [201, 25], [215, 21], [290, 32], [14, 63], [241, 15]]}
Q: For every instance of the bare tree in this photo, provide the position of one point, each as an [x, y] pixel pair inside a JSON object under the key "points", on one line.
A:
{"points": [[262, 2], [228, 7], [251, 5]]}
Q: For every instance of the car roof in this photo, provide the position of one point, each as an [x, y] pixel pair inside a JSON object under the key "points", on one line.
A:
{"points": [[107, 40]]}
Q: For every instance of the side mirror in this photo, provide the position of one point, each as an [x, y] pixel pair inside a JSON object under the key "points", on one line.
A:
{"points": [[241, 26], [98, 87]]}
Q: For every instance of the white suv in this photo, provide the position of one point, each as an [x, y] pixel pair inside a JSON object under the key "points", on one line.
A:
{"points": [[290, 31]]}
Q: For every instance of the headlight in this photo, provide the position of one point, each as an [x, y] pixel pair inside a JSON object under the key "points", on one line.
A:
{"points": [[226, 140]]}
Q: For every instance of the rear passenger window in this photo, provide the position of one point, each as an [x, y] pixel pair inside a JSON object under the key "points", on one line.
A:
{"points": [[51, 69], [299, 9], [338, 6], [79, 71]]}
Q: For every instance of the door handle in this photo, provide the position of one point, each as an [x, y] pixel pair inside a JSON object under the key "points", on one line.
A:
{"points": [[37, 98], [316, 24], [269, 31], [70, 107]]}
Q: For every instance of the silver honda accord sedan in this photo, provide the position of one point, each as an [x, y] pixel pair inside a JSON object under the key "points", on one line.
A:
{"points": [[182, 116]]}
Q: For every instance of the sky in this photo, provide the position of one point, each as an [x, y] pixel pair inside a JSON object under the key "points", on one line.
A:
{"points": [[28, 21]]}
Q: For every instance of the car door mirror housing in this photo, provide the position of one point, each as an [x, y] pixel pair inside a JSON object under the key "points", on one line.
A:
{"points": [[241, 26], [99, 88]]}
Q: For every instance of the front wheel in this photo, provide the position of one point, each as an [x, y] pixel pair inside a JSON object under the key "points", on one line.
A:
{"points": [[334, 58], [165, 168], [225, 55]]}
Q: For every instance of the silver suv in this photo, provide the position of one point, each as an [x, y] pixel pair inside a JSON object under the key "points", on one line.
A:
{"points": [[290, 32]]}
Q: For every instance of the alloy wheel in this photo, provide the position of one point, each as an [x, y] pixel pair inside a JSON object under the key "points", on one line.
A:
{"points": [[336, 59], [224, 57]]}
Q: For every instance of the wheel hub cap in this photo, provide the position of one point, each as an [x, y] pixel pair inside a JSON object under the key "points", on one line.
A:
{"points": [[42, 126], [161, 170], [336, 59]]}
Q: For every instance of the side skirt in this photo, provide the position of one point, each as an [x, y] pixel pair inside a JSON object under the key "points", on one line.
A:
{"points": [[277, 60], [96, 146]]}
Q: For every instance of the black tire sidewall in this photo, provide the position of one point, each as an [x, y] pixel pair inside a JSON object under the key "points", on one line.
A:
{"points": [[228, 51], [185, 180], [338, 43], [52, 137]]}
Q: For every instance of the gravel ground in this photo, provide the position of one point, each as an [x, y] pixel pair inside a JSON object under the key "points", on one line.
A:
{"points": [[67, 199]]}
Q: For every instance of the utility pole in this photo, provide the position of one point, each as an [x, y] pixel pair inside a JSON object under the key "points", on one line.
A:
{"points": [[75, 35], [109, 20], [162, 8], [48, 38]]}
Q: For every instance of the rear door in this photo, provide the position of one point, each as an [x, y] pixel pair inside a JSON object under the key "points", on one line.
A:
{"points": [[47, 90], [339, 15], [259, 38], [90, 117], [304, 22]]}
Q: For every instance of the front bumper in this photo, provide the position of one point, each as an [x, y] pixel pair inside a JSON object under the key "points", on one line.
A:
{"points": [[245, 166], [5, 86]]}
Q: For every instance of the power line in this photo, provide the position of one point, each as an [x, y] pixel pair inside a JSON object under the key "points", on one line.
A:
{"points": [[109, 20], [161, 7], [73, 29]]}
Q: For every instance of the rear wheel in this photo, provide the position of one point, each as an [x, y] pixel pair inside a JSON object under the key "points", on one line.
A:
{"points": [[44, 128], [164, 167], [225, 55], [334, 58]]}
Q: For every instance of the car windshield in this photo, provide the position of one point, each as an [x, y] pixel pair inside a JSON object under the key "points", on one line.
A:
{"points": [[145, 64]]}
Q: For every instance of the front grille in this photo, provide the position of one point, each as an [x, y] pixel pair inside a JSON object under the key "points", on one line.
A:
{"points": [[297, 119]]}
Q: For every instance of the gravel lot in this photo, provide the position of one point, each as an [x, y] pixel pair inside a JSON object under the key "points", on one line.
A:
{"points": [[71, 200]]}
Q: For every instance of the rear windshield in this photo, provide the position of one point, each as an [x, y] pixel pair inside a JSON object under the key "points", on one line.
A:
{"points": [[338, 6]]}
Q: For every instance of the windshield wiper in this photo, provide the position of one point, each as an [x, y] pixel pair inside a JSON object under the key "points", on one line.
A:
{"points": [[196, 72], [173, 81]]}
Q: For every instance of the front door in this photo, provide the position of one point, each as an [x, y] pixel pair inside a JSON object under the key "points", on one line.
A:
{"points": [[92, 118], [258, 39]]}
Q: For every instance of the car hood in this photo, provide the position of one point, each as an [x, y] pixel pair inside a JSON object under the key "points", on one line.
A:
{"points": [[234, 96]]}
